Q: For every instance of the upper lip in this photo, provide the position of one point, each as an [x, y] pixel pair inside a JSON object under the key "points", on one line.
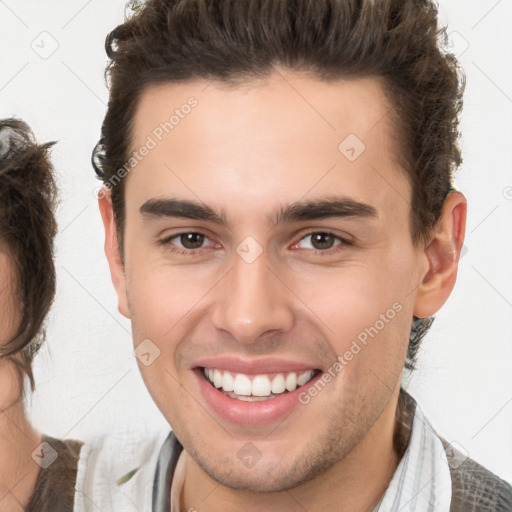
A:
{"points": [[253, 366]]}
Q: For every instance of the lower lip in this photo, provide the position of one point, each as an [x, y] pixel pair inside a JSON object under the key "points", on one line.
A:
{"points": [[250, 413]]}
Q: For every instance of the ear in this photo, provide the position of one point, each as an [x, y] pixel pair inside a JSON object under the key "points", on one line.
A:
{"points": [[442, 255], [112, 251]]}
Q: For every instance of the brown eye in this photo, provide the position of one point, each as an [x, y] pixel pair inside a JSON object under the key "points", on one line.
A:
{"points": [[320, 241], [323, 241], [192, 240], [188, 243]]}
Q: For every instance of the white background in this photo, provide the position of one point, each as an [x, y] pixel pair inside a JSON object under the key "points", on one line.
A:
{"points": [[87, 379]]}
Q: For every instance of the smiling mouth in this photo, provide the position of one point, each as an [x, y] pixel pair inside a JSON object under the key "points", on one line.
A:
{"points": [[257, 388]]}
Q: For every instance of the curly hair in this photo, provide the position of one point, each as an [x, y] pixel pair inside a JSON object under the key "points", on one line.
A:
{"points": [[27, 230], [398, 42]]}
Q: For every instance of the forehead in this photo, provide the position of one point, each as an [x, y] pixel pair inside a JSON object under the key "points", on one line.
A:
{"points": [[274, 140]]}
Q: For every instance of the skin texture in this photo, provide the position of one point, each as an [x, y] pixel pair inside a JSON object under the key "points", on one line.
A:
{"points": [[18, 471], [248, 152]]}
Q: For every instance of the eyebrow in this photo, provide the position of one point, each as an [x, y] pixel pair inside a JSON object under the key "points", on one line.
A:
{"points": [[340, 207]]}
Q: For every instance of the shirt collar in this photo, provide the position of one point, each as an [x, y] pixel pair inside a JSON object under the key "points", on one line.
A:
{"points": [[167, 461], [421, 481]]}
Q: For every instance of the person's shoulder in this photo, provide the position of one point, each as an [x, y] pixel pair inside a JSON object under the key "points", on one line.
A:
{"points": [[475, 488], [54, 489], [116, 470]]}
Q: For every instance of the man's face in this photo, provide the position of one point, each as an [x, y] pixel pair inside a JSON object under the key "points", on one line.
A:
{"points": [[241, 259]]}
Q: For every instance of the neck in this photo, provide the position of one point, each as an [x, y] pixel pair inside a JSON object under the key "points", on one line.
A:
{"points": [[355, 484], [18, 439]]}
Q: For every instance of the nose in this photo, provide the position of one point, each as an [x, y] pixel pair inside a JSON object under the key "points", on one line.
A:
{"points": [[252, 302]]}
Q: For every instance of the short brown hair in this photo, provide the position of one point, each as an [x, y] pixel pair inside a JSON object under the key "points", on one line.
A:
{"points": [[27, 228], [397, 41]]}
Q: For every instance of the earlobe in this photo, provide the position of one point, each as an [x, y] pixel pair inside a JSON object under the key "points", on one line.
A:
{"points": [[112, 252], [443, 254]]}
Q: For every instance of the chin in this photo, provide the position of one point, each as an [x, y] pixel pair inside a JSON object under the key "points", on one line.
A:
{"points": [[253, 480]]}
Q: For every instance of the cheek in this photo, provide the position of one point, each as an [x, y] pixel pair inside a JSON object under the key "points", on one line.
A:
{"points": [[364, 310], [159, 297], [350, 298], [165, 306], [10, 383], [9, 306]]}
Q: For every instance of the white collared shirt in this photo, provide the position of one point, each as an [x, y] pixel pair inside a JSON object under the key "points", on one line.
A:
{"points": [[421, 481], [117, 473]]}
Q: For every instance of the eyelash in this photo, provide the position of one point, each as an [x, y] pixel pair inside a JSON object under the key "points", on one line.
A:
{"points": [[178, 250], [191, 252]]}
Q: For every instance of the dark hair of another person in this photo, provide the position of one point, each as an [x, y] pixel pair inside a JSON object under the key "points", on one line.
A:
{"points": [[27, 230], [398, 42]]}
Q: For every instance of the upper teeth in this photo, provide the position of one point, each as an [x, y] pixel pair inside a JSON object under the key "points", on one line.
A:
{"points": [[260, 385]]}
